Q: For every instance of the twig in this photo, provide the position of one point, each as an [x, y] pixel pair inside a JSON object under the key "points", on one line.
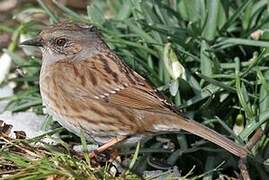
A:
{"points": [[254, 139], [250, 144], [243, 169]]}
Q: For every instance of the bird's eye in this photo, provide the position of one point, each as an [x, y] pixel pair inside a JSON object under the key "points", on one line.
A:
{"points": [[61, 41]]}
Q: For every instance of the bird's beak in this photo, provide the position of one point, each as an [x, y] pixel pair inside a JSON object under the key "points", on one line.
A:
{"points": [[38, 41]]}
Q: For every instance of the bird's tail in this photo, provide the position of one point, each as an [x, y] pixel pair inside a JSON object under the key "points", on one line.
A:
{"points": [[178, 122]]}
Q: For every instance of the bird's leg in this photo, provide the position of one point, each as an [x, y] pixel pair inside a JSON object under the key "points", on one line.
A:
{"points": [[107, 145]]}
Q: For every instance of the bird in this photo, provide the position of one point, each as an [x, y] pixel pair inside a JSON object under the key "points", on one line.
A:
{"points": [[86, 86]]}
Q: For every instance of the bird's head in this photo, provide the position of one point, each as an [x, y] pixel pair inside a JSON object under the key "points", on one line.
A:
{"points": [[68, 41]]}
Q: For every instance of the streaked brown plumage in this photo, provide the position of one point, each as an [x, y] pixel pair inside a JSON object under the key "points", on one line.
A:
{"points": [[85, 85]]}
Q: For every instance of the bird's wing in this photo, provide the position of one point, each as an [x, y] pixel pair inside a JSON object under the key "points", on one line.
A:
{"points": [[139, 97], [110, 81]]}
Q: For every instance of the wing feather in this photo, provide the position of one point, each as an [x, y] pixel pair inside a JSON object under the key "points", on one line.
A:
{"points": [[109, 80]]}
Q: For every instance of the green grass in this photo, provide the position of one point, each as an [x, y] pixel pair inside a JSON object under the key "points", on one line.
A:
{"points": [[221, 80]]}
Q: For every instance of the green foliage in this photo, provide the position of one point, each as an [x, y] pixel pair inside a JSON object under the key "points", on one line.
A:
{"points": [[226, 71]]}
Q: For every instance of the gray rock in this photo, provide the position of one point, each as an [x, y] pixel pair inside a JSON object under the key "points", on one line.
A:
{"points": [[5, 91], [28, 122]]}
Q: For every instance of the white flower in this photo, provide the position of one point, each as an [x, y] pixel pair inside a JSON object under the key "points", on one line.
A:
{"points": [[5, 63], [173, 66]]}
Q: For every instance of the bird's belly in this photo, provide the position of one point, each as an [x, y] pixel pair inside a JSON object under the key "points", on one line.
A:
{"points": [[91, 132], [72, 125]]}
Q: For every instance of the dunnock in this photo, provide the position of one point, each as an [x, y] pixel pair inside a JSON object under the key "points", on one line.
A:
{"points": [[84, 85]]}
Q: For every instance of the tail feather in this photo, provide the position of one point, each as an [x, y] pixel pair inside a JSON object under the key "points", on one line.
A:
{"points": [[177, 122]]}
